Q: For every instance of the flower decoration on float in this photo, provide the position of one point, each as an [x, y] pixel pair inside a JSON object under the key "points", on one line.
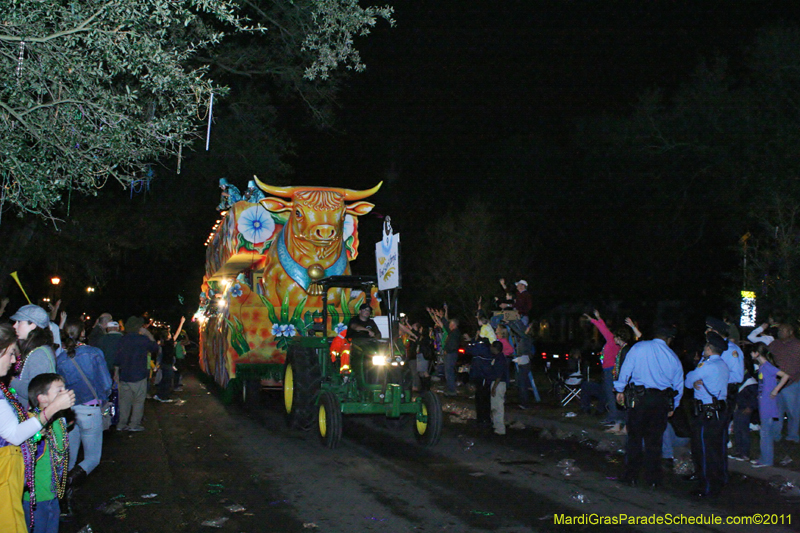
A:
{"points": [[340, 327], [284, 330], [255, 224], [236, 290]]}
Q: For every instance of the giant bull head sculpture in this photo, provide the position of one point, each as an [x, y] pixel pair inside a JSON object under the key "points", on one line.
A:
{"points": [[310, 240]]}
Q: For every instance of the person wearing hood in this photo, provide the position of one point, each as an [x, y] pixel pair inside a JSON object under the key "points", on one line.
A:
{"points": [[253, 194], [230, 195], [131, 372]]}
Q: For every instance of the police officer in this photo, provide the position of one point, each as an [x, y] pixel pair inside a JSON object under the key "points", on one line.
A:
{"points": [[652, 380], [710, 384], [734, 360]]}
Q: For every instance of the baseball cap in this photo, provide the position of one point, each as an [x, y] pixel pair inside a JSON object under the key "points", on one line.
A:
{"points": [[716, 341], [716, 324], [112, 324], [522, 281], [32, 313]]}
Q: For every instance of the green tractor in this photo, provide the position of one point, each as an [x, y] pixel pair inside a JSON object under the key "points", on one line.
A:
{"points": [[318, 390]]}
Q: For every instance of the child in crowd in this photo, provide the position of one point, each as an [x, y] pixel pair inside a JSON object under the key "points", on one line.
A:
{"points": [[768, 388], [52, 456], [486, 330], [498, 398], [502, 337]]}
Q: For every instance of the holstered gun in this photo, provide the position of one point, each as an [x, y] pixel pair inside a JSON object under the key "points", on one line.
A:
{"points": [[633, 394]]}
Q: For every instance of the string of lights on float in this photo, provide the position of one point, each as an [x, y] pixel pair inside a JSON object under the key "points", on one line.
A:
{"points": [[214, 229]]}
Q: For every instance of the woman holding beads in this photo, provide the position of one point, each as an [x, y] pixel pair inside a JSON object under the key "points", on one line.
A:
{"points": [[16, 430]]}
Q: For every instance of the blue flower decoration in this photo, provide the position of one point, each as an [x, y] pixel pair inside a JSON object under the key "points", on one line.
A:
{"points": [[284, 330], [255, 224], [340, 327], [236, 290]]}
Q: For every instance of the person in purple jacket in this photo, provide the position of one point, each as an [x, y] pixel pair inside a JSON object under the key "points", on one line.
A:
{"points": [[768, 388]]}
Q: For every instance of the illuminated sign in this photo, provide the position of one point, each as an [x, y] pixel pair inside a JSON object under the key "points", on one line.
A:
{"points": [[748, 318]]}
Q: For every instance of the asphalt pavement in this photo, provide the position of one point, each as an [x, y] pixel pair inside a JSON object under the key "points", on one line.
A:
{"points": [[200, 464], [569, 422]]}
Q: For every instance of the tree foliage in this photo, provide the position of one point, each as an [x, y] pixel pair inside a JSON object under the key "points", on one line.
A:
{"points": [[709, 162], [99, 90]]}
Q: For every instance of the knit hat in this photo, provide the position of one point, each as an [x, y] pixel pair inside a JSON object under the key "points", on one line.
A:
{"points": [[32, 313], [133, 324]]}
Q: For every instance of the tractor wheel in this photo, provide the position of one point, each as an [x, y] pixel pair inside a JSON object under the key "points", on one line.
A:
{"points": [[428, 422], [330, 420], [301, 377]]}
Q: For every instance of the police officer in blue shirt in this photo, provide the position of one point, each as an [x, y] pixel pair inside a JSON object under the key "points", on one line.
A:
{"points": [[733, 358], [710, 384], [650, 384]]}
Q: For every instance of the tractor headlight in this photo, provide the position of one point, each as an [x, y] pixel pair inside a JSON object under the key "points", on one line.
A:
{"points": [[378, 360]]}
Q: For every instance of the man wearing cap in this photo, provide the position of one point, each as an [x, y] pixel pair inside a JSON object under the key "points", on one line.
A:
{"points": [[131, 372], [109, 344], [99, 330], [523, 302], [653, 377], [731, 356], [710, 384], [734, 359], [362, 326]]}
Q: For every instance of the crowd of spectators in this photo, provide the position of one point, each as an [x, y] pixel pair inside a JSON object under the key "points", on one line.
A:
{"points": [[709, 392], [63, 384]]}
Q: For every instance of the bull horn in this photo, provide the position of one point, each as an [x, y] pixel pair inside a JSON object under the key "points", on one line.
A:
{"points": [[281, 192], [287, 192], [350, 194]]}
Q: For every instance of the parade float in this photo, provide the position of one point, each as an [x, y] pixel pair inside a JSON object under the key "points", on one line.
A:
{"points": [[263, 257]]}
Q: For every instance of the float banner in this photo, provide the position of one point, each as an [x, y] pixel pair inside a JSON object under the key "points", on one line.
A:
{"points": [[387, 258]]}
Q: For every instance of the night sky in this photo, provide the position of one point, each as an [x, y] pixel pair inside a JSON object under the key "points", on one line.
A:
{"points": [[467, 99], [455, 77]]}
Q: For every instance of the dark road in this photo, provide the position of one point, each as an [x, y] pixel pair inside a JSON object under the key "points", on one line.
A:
{"points": [[201, 465]]}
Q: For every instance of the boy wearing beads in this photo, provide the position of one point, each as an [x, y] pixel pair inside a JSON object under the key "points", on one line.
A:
{"points": [[52, 455]]}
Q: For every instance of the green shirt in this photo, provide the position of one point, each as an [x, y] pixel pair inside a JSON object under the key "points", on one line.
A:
{"points": [[43, 472]]}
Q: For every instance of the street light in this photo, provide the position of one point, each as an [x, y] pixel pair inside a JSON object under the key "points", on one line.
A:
{"points": [[90, 289], [55, 280]]}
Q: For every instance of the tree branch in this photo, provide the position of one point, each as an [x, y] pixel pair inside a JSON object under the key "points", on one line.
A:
{"points": [[82, 27]]}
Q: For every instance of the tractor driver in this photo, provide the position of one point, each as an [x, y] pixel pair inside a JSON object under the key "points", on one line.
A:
{"points": [[362, 326]]}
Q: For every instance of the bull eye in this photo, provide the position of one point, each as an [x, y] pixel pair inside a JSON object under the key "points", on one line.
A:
{"points": [[298, 213]]}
